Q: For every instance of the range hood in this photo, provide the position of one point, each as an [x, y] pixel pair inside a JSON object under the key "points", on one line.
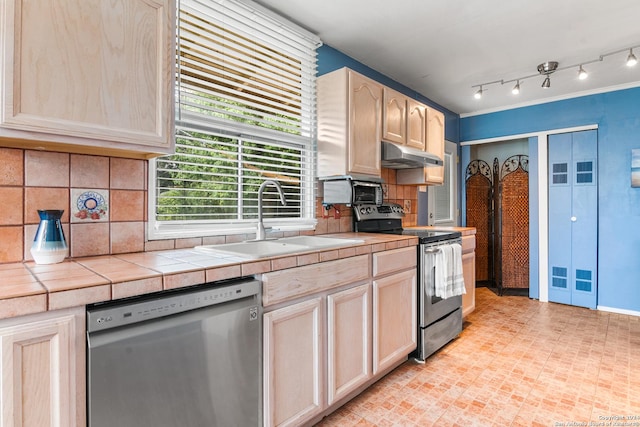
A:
{"points": [[402, 157]]}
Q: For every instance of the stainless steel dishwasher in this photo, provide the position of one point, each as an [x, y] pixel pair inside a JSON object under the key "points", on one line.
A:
{"points": [[190, 358]]}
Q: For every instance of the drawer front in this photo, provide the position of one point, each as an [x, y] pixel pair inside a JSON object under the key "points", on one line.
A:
{"points": [[283, 285], [468, 243], [394, 260]]}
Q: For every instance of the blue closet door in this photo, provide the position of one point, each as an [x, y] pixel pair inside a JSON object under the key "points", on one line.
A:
{"points": [[573, 218], [560, 147]]}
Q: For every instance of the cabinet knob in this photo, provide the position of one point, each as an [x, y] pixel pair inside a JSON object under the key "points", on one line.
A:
{"points": [[574, 219]]}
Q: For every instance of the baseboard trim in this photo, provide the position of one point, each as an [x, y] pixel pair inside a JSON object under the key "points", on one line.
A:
{"points": [[619, 310]]}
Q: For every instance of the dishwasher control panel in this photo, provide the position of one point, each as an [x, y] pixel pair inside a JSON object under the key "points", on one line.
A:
{"points": [[114, 314]]}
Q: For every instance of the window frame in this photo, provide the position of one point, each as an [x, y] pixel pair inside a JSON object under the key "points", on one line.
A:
{"points": [[159, 229]]}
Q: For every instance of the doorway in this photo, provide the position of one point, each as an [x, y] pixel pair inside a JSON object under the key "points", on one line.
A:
{"points": [[497, 205]]}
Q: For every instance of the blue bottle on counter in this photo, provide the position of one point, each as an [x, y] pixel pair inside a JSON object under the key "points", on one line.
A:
{"points": [[49, 245]]}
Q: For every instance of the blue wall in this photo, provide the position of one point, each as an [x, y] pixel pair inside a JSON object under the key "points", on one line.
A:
{"points": [[330, 59], [617, 115]]}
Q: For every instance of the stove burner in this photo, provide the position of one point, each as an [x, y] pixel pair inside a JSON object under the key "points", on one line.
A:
{"points": [[387, 218]]}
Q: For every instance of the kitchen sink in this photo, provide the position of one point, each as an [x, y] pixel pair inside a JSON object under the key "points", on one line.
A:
{"points": [[268, 248], [320, 242], [255, 249]]}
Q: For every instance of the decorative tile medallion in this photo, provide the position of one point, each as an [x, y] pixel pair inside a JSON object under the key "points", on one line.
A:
{"points": [[89, 205]]}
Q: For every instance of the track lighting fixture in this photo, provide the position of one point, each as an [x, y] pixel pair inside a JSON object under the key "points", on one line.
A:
{"points": [[582, 74], [546, 68], [546, 83], [631, 59]]}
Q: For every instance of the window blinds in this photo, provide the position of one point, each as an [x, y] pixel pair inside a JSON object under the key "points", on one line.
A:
{"points": [[245, 112], [239, 65]]}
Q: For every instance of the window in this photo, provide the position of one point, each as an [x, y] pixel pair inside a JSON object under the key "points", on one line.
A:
{"points": [[444, 208], [245, 113], [443, 197]]}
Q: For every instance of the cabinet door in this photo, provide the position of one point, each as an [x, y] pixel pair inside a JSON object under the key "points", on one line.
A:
{"points": [[349, 341], [573, 218], [365, 111], [43, 374], [469, 273], [435, 144], [394, 319], [394, 117], [293, 364], [416, 125], [89, 72]]}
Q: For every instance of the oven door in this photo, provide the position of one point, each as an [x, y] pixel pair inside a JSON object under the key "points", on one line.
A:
{"points": [[432, 308]]}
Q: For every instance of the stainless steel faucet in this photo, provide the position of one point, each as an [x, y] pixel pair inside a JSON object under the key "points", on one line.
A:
{"points": [[260, 232]]}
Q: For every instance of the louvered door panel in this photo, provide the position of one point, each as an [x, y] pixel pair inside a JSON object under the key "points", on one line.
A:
{"points": [[573, 218], [584, 232], [559, 217]]}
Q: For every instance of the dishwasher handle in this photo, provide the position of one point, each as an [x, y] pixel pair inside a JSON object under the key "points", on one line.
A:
{"points": [[110, 315]]}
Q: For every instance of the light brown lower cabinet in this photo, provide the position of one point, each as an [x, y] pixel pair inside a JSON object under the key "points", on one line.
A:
{"points": [[43, 369], [293, 371], [469, 273], [348, 341], [320, 349], [394, 318]]}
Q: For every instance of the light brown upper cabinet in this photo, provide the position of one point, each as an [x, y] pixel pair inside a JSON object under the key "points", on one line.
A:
{"points": [[394, 117], [435, 145], [88, 76], [431, 175], [416, 125], [404, 120], [349, 114]]}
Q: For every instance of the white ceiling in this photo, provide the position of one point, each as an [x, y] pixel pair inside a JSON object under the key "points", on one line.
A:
{"points": [[441, 48]]}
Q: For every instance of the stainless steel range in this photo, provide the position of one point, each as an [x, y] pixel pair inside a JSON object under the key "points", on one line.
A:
{"points": [[439, 320]]}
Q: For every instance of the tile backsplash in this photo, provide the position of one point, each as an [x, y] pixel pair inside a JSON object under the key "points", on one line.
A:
{"points": [[32, 180]]}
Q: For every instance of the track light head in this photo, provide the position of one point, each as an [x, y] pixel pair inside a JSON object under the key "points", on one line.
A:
{"points": [[478, 94], [546, 83], [516, 88], [582, 74], [631, 59]]}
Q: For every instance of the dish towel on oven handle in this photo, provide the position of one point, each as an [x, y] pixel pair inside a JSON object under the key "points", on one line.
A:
{"points": [[449, 280]]}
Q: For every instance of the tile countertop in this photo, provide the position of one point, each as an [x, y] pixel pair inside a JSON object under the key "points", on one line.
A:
{"points": [[27, 288], [465, 231]]}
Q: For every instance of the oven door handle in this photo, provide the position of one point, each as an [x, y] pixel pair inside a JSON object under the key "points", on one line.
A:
{"points": [[431, 251]]}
